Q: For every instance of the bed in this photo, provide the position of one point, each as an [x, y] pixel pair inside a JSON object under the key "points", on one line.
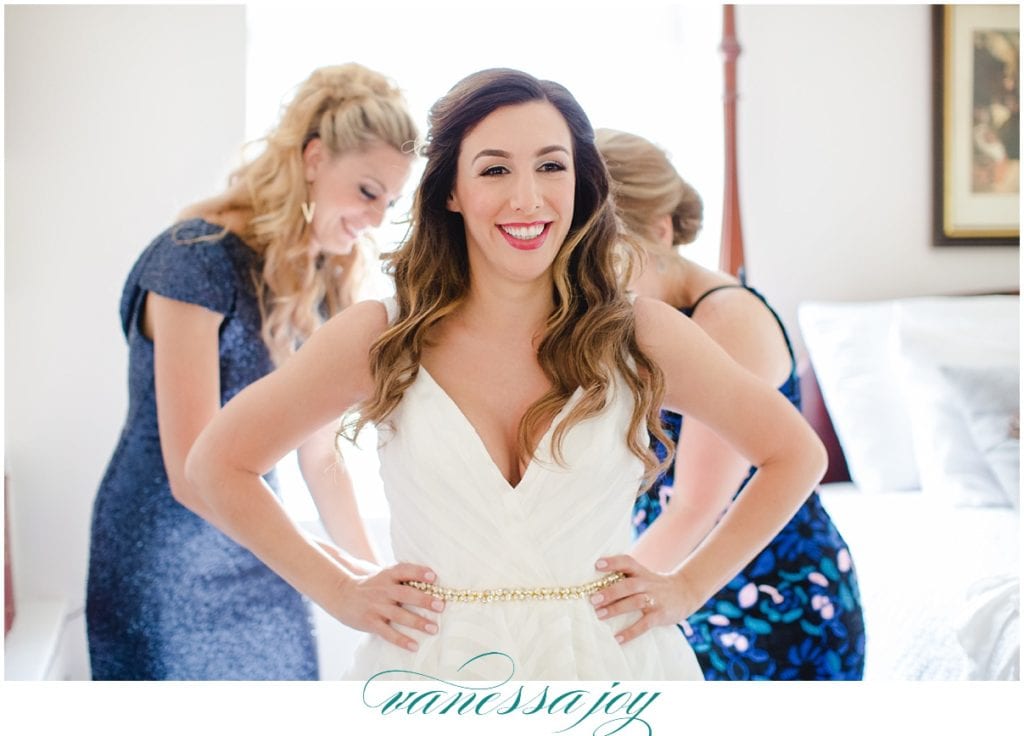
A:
{"points": [[917, 402], [919, 397]]}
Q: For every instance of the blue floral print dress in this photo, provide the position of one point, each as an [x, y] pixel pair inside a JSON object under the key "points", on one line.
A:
{"points": [[794, 612]]}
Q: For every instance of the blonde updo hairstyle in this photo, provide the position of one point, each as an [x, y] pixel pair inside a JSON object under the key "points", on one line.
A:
{"points": [[646, 186], [349, 108]]}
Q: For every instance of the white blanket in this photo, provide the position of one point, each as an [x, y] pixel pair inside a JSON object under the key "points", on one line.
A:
{"points": [[918, 563], [989, 629]]}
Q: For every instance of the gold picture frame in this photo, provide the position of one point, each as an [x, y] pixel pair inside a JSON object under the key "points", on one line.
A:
{"points": [[976, 61]]}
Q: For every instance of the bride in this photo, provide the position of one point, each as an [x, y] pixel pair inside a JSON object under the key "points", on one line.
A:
{"points": [[514, 383]]}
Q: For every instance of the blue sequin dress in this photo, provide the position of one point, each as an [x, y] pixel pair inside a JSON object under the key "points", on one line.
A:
{"points": [[794, 612], [169, 597]]}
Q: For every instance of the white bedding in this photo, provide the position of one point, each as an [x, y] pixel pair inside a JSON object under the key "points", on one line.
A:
{"points": [[917, 561]]}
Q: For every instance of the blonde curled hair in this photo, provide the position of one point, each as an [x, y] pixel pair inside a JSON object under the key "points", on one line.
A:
{"points": [[590, 335], [348, 107], [645, 186]]}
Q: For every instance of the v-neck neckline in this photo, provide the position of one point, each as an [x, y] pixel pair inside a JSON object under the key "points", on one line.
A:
{"points": [[487, 456]]}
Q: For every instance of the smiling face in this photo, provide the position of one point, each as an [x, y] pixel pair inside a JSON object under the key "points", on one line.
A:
{"points": [[352, 192], [515, 188]]}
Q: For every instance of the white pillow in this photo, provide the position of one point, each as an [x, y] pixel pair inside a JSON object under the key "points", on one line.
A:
{"points": [[937, 333], [849, 344], [989, 399]]}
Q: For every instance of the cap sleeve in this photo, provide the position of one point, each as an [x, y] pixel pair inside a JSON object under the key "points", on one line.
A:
{"points": [[195, 271]]}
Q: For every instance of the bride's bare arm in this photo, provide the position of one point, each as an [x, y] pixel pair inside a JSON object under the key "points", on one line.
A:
{"points": [[703, 382], [257, 428]]}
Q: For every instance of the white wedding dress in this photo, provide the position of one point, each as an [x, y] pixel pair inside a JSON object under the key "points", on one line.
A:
{"points": [[454, 511]]}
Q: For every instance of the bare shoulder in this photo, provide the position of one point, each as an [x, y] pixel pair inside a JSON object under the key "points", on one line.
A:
{"points": [[666, 335], [728, 307], [657, 322], [745, 327], [370, 313], [335, 361], [345, 339], [359, 324]]}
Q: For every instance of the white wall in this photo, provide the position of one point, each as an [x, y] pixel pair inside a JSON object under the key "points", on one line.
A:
{"points": [[116, 117], [836, 160]]}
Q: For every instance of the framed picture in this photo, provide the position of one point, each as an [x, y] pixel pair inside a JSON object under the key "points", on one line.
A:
{"points": [[977, 124]]}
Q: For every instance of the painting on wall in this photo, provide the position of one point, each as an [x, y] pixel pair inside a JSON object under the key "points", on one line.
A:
{"points": [[977, 124]]}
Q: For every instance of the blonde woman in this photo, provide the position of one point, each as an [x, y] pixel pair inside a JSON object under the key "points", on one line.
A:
{"points": [[514, 383], [212, 304], [794, 611]]}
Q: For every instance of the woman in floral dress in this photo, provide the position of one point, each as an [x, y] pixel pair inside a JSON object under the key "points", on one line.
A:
{"points": [[794, 612]]}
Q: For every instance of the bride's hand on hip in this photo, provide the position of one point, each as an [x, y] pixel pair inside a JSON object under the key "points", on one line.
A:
{"points": [[661, 599], [378, 602]]}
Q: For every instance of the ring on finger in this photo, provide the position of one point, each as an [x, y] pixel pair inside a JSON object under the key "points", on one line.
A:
{"points": [[648, 601]]}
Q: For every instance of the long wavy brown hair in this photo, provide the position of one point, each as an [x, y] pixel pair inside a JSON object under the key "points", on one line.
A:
{"points": [[588, 339], [348, 107]]}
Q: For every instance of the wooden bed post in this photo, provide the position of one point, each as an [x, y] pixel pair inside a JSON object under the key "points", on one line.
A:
{"points": [[731, 251]]}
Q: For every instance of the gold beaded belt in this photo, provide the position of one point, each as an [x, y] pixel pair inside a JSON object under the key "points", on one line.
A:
{"points": [[515, 594]]}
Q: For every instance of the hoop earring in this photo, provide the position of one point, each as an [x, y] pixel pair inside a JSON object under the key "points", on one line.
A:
{"points": [[308, 208]]}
